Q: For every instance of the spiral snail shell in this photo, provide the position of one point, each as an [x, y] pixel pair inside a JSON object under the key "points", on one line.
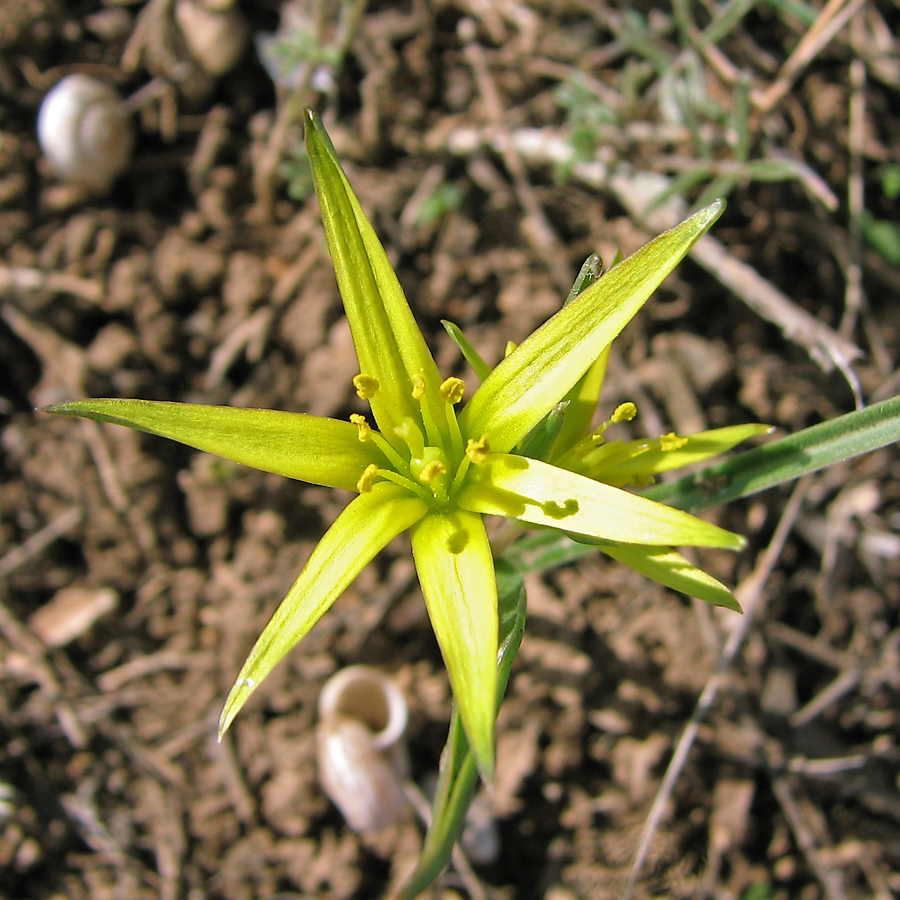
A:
{"points": [[361, 753], [84, 132]]}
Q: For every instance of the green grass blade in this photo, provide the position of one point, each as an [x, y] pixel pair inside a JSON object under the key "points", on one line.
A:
{"points": [[784, 460], [470, 354]]}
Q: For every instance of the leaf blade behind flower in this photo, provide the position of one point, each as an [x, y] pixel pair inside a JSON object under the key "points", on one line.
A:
{"points": [[786, 459]]}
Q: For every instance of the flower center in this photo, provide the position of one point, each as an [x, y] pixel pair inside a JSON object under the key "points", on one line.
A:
{"points": [[426, 457]]}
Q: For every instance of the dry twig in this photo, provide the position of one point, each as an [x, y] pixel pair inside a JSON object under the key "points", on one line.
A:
{"points": [[636, 191], [751, 596]]}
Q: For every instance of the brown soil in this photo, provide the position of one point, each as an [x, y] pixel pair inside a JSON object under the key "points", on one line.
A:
{"points": [[136, 574]]}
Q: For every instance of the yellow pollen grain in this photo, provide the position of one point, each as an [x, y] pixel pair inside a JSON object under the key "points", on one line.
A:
{"points": [[432, 471], [418, 386], [367, 479], [625, 412], [366, 386], [452, 390], [478, 451], [672, 441], [363, 427]]}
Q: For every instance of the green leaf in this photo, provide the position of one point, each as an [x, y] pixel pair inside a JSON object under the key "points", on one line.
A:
{"points": [[590, 271], [456, 571], [582, 398], [884, 236], [388, 342], [471, 355], [582, 404], [538, 551], [786, 459], [458, 774], [538, 443], [539, 373], [309, 448], [541, 494], [366, 526]]}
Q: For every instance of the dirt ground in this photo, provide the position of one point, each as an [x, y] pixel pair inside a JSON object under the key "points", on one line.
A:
{"points": [[495, 145]]}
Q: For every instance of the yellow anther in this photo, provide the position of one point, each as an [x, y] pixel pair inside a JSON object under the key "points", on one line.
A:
{"points": [[367, 479], [366, 386], [625, 412], [363, 427], [431, 471], [478, 451], [418, 386], [510, 346], [452, 390], [672, 441]]}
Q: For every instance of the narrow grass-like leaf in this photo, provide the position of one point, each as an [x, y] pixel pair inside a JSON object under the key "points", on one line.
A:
{"points": [[784, 460], [590, 271], [470, 354], [541, 550]]}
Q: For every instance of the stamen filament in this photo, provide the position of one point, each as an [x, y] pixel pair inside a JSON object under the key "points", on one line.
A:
{"points": [[432, 432], [411, 435], [404, 482], [456, 441], [460, 474], [392, 456], [452, 391]]}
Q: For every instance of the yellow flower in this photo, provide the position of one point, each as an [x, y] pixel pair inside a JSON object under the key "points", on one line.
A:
{"points": [[435, 470]]}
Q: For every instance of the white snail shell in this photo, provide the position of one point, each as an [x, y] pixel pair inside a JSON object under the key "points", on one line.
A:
{"points": [[362, 757], [84, 132]]}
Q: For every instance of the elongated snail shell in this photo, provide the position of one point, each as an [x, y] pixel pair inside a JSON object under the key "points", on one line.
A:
{"points": [[84, 132], [362, 756]]}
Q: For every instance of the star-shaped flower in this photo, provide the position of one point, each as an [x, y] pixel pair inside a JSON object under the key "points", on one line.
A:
{"points": [[436, 471]]}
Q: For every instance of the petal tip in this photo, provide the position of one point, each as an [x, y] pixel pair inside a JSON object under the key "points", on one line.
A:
{"points": [[238, 696], [485, 761]]}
